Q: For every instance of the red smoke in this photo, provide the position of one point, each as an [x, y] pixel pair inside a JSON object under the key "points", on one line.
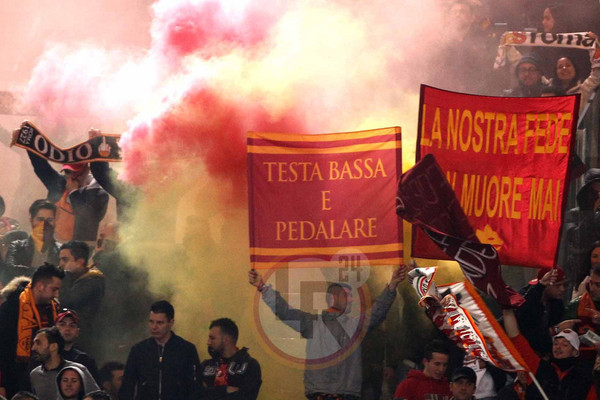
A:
{"points": [[201, 128]]}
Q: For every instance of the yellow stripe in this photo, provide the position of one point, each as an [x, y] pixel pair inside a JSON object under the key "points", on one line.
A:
{"points": [[326, 264], [332, 150], [286, 251], [323, 137]]}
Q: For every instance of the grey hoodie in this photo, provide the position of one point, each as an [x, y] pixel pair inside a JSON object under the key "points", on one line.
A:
{"points": [[83, 390]]}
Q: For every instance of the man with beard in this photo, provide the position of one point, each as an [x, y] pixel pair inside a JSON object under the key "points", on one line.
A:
{"points": [[564, 375], [231, 373], [587, 306], [24, 255], [48, 345], [163, 366], [29, 306]]}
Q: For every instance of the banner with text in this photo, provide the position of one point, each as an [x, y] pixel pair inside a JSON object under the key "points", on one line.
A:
{"points": [[507, 160], [324, 200]]}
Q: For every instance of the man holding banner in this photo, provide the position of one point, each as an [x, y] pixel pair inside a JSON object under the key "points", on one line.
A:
{"points": [[333, 335]]}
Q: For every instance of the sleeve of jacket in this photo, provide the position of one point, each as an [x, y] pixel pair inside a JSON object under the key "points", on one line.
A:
{"points": [[17, 260], [105, 177], [252, 382], [89, 382], [381, 307], [130, 378], [193, 378], [298, 320], [53, 181]]}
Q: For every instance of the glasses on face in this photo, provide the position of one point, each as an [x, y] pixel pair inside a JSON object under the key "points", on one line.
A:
{"points": [[530, 70]]}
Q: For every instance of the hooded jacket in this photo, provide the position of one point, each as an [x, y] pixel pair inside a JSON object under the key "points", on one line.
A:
{"points": [[243, 372], [418, 386], [84, 384]]}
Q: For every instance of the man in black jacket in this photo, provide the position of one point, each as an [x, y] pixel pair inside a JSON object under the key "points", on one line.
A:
{"points": [[163, 366], [25, 255], [231, 373]]}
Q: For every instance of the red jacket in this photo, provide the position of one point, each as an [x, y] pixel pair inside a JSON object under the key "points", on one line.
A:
{"points": [[418, 386]]}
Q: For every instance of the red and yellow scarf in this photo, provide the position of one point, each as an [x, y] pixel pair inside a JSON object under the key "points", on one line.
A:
{"points": [[29, 322]]}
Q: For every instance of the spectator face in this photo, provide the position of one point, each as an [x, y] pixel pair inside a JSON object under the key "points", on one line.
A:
{"points": [[215, 342], [69, 329], [43, 215], [436, 367], [160, 326], [561, 348], [528, 74], [595, 256], [70, 384], [565, 70], [70, 264], [548, 21], [593, 287], [115, 383], [462, 389], [46, 290], [40, 349], [341, 299]]}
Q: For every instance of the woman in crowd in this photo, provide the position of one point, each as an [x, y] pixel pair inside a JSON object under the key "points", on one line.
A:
{"points": [[566, 76]]}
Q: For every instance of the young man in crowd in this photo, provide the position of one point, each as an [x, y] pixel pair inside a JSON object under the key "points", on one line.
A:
{"points": [[67, 323], [231, 373], [431, 381], [48, 345], [462, 384], [25, 255], [111, 378], [29, 306], [164, 366], [83, 288]]}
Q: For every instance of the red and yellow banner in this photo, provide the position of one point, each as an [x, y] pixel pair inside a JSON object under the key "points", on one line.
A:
{"points": [[507, 160], [324, 200]]}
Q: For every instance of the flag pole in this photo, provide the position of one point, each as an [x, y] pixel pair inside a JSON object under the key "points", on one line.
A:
{"points": [[537, 384]]}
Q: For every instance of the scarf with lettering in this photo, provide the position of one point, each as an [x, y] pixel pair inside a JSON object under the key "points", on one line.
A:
{"points": [[29, 322]]}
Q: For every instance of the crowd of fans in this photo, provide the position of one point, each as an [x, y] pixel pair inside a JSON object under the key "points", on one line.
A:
{"points": [[61, 272]]}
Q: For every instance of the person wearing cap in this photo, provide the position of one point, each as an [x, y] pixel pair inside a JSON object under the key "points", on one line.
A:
{"points": [[462, 384], [81, 202], [543, 309], [24, 255], [529, 78], [67, 323], [564, 376], [582, 227]]}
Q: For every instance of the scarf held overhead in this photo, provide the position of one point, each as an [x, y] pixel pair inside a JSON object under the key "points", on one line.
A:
{"points": [[101, 148]]}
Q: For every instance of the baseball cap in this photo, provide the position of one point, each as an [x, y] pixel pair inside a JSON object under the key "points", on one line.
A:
{"points": [[67, 313], [74, 167], [571, 336], [464, 373]]}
